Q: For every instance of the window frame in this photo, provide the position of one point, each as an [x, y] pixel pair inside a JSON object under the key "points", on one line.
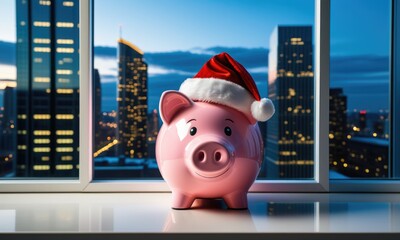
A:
{"points": [[384, 185], [321, 181]]}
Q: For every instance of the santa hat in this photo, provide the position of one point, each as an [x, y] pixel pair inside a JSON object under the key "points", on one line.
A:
{"points": [[224, 81]]}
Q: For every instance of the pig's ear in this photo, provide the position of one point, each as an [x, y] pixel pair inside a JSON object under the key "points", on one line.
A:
{"points": [[171, 103]]}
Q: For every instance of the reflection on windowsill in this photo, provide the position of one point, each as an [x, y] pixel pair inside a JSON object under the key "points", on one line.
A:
{"points": [[151, 212]]}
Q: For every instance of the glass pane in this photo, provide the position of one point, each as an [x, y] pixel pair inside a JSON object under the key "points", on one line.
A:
{"points": [[162, 43], [359, 94], [39, 89]]}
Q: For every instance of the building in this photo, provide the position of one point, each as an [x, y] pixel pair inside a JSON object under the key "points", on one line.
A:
{"points": [[152, 132], [337, 127], [47, 88], [290, 136], [362, 121], [97, 117], [367, 158], [152, 126], [7, 122], [132, 102]]}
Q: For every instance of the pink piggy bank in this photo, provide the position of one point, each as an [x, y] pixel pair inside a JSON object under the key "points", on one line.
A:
{"points": [[210, 146]]}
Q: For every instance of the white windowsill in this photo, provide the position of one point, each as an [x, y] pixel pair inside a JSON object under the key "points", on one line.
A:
{"points": [[150, 213]]}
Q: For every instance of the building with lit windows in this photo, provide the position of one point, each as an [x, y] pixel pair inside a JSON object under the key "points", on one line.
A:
{"points": [[47, 88], [97, 111], [152, 133], [132, 102], [290, 135], [7, 128], [367, 158], [337, 127], [7, 123]]}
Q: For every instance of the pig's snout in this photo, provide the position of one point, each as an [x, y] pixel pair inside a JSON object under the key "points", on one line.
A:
{"points": [[211, 158]]}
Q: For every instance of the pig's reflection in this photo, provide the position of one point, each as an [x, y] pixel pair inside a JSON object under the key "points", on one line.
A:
{"points": [[209, 216]]}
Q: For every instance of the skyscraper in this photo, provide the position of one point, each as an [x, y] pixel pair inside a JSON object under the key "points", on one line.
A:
{"points": [[132, 102], [337, 127], [9, 114], [152, 132], [97, 110], [47, 88], [8, 132], [290, 137]]}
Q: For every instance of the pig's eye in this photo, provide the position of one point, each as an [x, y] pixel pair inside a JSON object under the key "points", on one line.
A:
{"points": [[193, 131], [228, 131]]}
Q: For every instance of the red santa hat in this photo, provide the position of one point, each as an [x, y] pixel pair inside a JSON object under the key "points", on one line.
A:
{"points": [[224, 81]]}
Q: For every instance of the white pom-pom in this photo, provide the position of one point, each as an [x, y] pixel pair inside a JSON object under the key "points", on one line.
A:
{"points": [[262, 110]]}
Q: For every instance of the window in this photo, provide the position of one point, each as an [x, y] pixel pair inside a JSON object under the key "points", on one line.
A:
{"points": [[39, 90], [158, 48], [54, 58], [360, 90]]}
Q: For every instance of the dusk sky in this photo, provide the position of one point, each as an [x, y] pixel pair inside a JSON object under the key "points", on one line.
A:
{"points": [[178, 36]]}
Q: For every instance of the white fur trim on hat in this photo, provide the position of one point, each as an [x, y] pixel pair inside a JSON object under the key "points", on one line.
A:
{"points": [[262, 110], [229, 94]]}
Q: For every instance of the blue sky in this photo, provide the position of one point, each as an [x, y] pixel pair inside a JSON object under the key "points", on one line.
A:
{"points": [[178, 36], [159, 25]]}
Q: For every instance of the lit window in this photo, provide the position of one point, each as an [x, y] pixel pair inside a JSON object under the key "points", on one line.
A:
{"points": [[41, 132], [41, 149], [66, 158], [68, 4], [65, 132], [45, 2], [42, 49], [65, 91], [64, 149], [64, 166], [41, 79], [41, 24], [41, 167], [41, 40], [41, 141], [41, 116], [65, 41], [65, 50], [65, 141], [64, 71], [65, 24], [64, 116]]}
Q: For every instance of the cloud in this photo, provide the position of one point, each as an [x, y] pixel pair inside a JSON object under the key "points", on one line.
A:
{"points": [[155, 70], [360, 67], [105, 52], [192, 60], [8, 71]]}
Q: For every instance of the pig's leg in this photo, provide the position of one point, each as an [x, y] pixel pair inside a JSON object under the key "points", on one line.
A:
{"points": [[181, 201], [236, 200]]}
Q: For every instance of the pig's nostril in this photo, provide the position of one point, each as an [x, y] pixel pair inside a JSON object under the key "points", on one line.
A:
{"points": [[217, 156], [201, 156]]}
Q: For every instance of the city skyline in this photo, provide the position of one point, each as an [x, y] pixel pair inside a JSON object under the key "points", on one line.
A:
{"points": [[358, 57]]}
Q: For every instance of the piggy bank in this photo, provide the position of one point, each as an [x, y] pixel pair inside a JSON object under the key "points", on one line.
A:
{"points": [[208, 147]]}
